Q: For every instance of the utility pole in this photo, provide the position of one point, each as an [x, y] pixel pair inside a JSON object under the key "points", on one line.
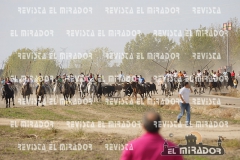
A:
{"points": [[227, 27]]}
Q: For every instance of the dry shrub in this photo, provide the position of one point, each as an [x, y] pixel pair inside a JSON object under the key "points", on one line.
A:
{"points": [[233, 93], [228, 113], [174, 107], [212, 106]]}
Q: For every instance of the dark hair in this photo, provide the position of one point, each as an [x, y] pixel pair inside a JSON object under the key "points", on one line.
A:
{"points": [[149, 121], [185, 83]]}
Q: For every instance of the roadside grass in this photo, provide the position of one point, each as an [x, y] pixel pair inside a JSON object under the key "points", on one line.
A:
{"points": [[103, 112]]}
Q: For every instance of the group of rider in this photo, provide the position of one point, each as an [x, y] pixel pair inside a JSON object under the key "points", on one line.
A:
{"points": [[91, 78], [199, 74]]}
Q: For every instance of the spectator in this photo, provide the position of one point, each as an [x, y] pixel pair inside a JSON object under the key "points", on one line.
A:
{"points": [[150, 145], [184, 102]]}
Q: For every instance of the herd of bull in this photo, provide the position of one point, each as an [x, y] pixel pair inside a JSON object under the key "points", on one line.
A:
{"points": [[128, 88]]}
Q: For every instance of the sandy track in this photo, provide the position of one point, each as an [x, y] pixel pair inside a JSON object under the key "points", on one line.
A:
{"points": [[230, 131]]}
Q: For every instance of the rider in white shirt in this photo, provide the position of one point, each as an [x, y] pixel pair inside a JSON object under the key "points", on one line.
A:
{"points": [[199, 74], [184, 73], [175, 74], [72, 78], [215, 77], [66, 78], [27, 80]]}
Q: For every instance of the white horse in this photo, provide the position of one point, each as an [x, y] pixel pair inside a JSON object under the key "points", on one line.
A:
{"points": [[167, 87], [91, 90], [56, 90], [82, 89]]}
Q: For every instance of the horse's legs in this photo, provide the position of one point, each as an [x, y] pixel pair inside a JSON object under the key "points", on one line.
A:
{"points": [[6, 102], [37, 100], [65, 99], [13, 101], [42, 97]]}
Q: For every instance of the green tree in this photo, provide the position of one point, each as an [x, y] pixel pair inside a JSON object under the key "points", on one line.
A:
{"points": [[144, 44]]}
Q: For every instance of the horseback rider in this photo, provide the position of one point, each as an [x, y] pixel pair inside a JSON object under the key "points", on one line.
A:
{"points": [[233, 74], [225, 73], [7, 81], [141, 80], [90, 77], [98, 78], [184, 74], [215, 76], [170, 78], [175, 74], [58, 80], [235, 82], [72, 80], [135, 78], [212, 72], [205, 73], [3, 81], [180, 74], [65, 78], [39, 80], [81, 78], [199, 73], [27, 80]]}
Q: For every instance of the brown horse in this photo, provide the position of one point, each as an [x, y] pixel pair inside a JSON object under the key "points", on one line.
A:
{"points": [[40, 93], [26, 91], [66, 91], [8, 93]]}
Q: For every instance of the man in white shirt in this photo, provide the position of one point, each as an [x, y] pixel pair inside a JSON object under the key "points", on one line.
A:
{"points": [[184, 73], [215, 77], [72, 78], [175, 74], [199, 74], [184, 102]]}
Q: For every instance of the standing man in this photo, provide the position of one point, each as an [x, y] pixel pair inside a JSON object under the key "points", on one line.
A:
{"points": [[151, 144], [184, 102], [121, 77]]}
